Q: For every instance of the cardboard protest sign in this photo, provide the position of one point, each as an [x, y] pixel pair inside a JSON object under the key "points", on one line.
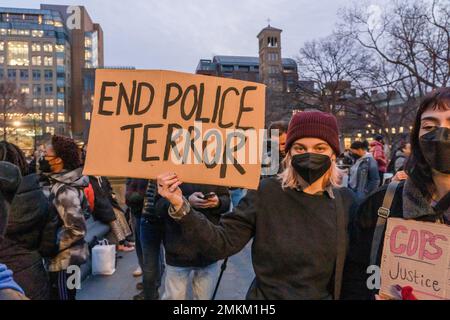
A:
{"points": [[206, 129], [416, 254]]}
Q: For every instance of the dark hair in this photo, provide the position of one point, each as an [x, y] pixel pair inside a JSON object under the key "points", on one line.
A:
{"points": [[281, 125], [366, 145], [11, 153], [402, 145], [379, 138], [358, 145], [419, 171], [66, 149]]}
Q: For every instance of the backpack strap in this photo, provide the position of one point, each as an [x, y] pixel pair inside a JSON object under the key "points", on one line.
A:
{"points": [[383, 214], [341, 242]]}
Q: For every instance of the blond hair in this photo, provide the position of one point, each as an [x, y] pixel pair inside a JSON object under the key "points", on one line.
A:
{"points": [[291, 179]]}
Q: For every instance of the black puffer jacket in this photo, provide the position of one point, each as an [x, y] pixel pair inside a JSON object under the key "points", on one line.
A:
{"points": [[179, 251], [104, 201], [30, 236]]}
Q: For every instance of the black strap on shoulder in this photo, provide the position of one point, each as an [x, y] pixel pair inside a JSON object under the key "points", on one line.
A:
{"points": [[383, 214], [341, 243]]}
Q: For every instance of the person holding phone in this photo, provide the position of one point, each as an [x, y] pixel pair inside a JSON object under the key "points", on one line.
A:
{"points": [[182, 259]]}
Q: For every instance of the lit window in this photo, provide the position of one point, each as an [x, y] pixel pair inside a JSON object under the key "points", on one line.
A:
{"points": [[394, 131], [3, 32], [60, 103], [2, 59], [60, 61], [87, 116], [58, 24], [48, 47], [2, 45], [401, 130], [36, 46], [37, 102], [49, 117], [61, 117], [59, 47], [18, 53], [50, 130], [48, 61], [36, 60], [25, 89], [23, 32], [37, 33], [87, 42], [49, 103]]}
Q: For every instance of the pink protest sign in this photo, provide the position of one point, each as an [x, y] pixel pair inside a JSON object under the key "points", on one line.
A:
{"points": [[416, 254]]}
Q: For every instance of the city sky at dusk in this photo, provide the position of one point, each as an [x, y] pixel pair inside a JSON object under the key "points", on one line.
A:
{"points": [[175, 34]]}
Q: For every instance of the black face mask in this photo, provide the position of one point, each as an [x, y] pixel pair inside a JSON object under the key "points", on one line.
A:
{"points": [[435, 147], [44, 165], [311, 166]]}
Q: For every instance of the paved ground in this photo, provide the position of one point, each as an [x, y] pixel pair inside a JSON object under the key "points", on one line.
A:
{"points": [[122, 286]]}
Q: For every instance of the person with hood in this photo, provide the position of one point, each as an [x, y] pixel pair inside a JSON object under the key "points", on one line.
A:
{"points": [[298, 220], [31, 231], [377, 150], [10, 179], [364, 177], [62, 163], [399, 158], [423, 196]]}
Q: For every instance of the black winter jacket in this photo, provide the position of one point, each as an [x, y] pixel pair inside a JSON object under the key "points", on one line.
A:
{"points": [[408, 203], [179, 251], [104, 201], [30, 236], [295, 239]]}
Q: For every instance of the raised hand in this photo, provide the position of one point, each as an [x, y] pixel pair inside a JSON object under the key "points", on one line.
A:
{"points": [[169, 188]]}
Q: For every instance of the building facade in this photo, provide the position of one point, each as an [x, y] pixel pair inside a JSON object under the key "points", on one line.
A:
{"points": [[88, 95], [35, 59], [279, 74], [86, 38], [43, 55]]}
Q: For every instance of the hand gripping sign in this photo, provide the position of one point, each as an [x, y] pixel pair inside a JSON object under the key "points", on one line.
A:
{"points": [[416, 254], [209, 130]]}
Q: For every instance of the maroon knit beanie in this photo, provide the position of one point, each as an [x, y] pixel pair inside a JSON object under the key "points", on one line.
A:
{"points": [[313, 124]]}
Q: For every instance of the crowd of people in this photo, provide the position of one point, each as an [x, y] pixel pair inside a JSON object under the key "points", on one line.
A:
{"points": [[314, 224]]}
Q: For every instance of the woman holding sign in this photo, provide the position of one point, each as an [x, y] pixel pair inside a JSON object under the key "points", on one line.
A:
{"points": [[424, 196], [298, 220]]}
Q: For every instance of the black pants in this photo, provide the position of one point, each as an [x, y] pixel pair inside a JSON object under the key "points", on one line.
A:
{"points": [[152, 268], [381, 177], [59, 289]]}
